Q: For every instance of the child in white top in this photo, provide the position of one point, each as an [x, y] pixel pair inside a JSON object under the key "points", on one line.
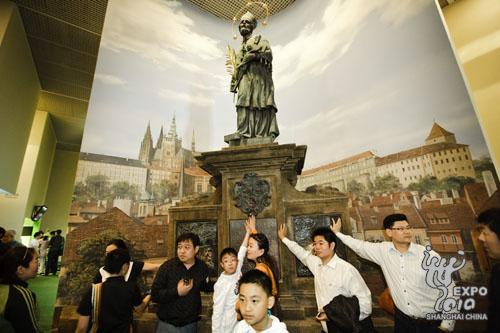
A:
{"points": [[226, 287], [256, 301]]}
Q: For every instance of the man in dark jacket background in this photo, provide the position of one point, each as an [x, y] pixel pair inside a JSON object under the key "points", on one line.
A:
{"points": [[489, 222], [56, 246], [177, 288]]}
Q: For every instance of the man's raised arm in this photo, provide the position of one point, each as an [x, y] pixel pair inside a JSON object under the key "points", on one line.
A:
{"points": [[366, 250]]}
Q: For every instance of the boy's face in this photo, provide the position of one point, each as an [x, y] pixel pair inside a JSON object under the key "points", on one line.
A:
{"points": [[254, 303], [186, 252], [321, 247], [229, 262]]}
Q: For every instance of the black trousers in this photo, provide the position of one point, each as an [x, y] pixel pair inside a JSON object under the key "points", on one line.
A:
{"points": [[366, 327], [52, 259], [406, 324]]}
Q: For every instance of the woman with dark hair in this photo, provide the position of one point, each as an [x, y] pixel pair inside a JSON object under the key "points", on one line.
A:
{"points": [[17, 302], [258, 252]]}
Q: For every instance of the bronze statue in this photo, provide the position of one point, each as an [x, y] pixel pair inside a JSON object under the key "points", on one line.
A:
{"points": [[252, 81]]}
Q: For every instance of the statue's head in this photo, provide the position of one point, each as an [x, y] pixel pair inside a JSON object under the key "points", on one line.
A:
{"points": [[248, 23]]}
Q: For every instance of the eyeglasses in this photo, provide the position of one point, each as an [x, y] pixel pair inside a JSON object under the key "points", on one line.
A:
{"points": [[402, 228]]}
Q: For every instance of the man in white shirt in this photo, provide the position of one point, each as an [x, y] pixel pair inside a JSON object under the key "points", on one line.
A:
{"points": [[35, 242], [332, 275], [401, 263]]}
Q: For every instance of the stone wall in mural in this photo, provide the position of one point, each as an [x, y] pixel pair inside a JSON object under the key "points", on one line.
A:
{"points": [[207, 231]]}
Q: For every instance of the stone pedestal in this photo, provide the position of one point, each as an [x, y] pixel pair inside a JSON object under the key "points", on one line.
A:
{"points": [[277, 166]]}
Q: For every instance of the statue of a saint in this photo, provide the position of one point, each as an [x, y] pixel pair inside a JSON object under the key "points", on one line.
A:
{"points": [[252, 81]]}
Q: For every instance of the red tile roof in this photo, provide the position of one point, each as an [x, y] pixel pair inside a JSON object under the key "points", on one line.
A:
{"points": [[492, 202], [437, 131], [348, 160], [476, 196], [416, 152], [379, 213], [75, 219], [92, 209], [460, 216], [196, 171]]}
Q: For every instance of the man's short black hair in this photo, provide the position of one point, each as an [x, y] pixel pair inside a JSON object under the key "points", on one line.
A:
{"points": [[327, 233], [189, 236], [228, 250], [491, 218], [58, 231], [115, 259], [393, 218], [52, 233], [2, 232], [119, 243], [259, 278], [38, 233]]}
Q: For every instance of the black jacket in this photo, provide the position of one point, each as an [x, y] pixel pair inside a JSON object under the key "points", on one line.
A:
{"points": [[343, 315], [172, 308], [494, 297], [20, 309], [117, 303]]}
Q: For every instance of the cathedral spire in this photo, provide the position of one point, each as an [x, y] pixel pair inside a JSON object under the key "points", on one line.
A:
{"points": [[173, 128], [160, 138], [192, 143], [146, 150], [148, 132]]}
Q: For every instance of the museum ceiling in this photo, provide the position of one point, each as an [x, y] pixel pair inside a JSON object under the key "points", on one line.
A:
{"points": [[64, 40], [228, 9]]}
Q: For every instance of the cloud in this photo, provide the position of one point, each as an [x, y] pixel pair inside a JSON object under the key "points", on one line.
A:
{"points": [[159, 31], [196, 98], [319, 45], [110, 79]]}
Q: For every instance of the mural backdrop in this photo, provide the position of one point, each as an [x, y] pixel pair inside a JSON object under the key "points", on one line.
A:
{"points": [[371, 87]]}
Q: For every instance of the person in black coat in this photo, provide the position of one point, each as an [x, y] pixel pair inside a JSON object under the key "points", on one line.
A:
{"points": [[489, 224]]}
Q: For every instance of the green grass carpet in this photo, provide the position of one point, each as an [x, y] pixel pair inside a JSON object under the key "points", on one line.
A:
{"points": [[45, 288]]}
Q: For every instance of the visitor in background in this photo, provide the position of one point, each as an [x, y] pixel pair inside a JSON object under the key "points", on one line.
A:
{"points": [[110, 304], [3, 246], [135, 266], [35, 242], [489, 225], [56, 246], [42, 260], [9, 239], [177, 288]]}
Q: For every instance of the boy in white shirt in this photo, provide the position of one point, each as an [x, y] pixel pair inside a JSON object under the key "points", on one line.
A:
{"points": [[256, 300], [226, 287]]}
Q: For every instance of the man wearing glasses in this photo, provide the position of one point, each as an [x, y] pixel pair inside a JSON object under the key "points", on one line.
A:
{"points": [[401, 263]]}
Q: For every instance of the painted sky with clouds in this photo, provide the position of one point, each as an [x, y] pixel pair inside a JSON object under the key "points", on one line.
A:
{"points": [[350, 76]]}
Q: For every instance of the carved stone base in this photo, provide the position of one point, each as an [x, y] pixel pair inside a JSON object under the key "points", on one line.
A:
{"points": [[276, 166]]}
